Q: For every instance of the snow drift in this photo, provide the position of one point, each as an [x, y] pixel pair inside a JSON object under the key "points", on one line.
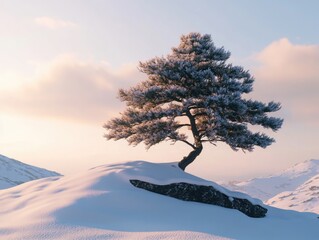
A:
{"points": [[102, 204], [13, 172]]}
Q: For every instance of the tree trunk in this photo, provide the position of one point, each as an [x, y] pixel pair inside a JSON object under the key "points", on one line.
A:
{"points": [[190, 158]]}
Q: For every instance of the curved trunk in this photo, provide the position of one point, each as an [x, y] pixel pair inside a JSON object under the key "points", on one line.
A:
{"points": [[190, 158]]}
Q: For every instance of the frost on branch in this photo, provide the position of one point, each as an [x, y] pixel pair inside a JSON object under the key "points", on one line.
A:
{"points": [[195, 89]]}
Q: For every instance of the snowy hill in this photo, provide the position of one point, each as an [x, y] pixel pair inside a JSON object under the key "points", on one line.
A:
{"points": [[101, 203], [288, 180], [305, 198], [13, 172]]}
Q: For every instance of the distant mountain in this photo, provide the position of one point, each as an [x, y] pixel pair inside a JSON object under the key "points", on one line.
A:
{"points": [[288, 180], [305, 198], [13, 172]]}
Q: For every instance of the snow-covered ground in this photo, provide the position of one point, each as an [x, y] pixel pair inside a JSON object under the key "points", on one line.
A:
{"points": [[102, 204], [13, 172], [305, 198], [288, 180]]}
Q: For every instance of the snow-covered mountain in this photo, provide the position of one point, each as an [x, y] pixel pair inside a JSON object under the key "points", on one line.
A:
{"points": [[305, 198], [102, 204], [13, 172], [288, 180]]}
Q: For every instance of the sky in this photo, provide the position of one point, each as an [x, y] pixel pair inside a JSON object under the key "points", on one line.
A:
{"points": [[62, 63]]}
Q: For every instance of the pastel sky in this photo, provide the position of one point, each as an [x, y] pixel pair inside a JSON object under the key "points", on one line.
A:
{"points": [[62, 63]]}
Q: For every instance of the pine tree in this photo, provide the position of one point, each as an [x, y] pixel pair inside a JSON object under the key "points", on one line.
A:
{"points": [[193, 89]]}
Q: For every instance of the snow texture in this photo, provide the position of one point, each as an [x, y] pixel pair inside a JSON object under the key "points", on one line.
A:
{"points": [[288, 180], [102, 204], [13, 172]]}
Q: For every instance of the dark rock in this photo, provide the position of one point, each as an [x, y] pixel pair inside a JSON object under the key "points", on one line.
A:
{"points": [[203, 194]]}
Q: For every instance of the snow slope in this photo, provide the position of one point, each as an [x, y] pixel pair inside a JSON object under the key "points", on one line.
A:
{"points": [[101, 204], [13, 172], [288, 180], [305, 198]]}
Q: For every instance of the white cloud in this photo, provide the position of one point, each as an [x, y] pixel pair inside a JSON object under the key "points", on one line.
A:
{"points": [[69, 88], [284, 61], [290, 73], [86, 90], [53, 23]]}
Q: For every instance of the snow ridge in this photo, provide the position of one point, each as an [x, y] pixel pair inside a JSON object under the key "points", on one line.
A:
{"points": [[13, 172], [288, 180], [305, 198]]}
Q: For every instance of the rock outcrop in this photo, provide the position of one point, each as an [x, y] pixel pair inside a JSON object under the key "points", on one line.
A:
{"points": [[203, 194]]}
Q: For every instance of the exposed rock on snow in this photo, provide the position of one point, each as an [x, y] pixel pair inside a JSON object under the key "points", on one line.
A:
{"points": [[203, 194], [288, 180], [305, 198], [13, 172]]}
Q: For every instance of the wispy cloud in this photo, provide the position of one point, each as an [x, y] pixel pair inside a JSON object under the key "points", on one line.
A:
{"points": [[289, 72], [53, 23], [70, 88]]}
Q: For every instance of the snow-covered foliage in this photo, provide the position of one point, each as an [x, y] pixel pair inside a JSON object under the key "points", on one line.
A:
{"points": [[195, 83]]}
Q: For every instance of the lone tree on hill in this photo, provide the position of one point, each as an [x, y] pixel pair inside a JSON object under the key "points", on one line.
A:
{"points": [[194, 89]]}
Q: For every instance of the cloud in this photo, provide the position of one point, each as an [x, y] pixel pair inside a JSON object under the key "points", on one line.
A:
{"points": [[53, 23], [69, 88], [290, 73]]}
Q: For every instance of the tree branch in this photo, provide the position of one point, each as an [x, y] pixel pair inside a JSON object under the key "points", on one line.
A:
{"points": [[210, 141], [200, 114], [188, 143], [183, 125]]}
